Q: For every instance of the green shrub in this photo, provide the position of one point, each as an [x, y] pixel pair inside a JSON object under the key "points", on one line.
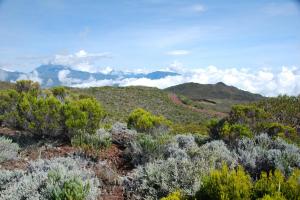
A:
{"points": [[59, 92], [274, 185], [226, 184], [8, 103], [231, 132], [100, 140], [268, 184], [144, 121], [28, 86], [177, 195], [70, 189], [291, 188], [82, 116]]}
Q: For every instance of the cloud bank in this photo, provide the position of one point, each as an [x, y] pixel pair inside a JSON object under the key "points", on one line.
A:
{"points": [[81, 60], [265, 81]]}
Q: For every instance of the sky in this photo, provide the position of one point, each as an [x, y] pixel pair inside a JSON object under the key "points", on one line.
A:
{"points": [[250, 37]]}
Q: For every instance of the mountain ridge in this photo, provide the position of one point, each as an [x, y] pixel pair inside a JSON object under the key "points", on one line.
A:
{"points": [[50, 75], [220, 90]]}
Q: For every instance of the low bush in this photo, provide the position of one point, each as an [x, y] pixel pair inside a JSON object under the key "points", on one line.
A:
{"points": [[100, 140], [158, 179], [144, 121], [225, 184], [262, 153], [275, 185], [145, 148], [59, 178], [8, 149], [174, 196]]}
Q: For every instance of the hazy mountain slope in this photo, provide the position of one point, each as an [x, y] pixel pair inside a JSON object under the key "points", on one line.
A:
{"points": [[53, 75], [220, 90]]}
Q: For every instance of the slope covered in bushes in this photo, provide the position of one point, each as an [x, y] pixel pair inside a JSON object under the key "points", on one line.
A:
{"points": [[253, 153]]}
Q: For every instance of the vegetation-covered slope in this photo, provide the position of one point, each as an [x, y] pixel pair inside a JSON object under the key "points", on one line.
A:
{"points": [[218, 97], [197, 91], [253, 153], [120, 101]]}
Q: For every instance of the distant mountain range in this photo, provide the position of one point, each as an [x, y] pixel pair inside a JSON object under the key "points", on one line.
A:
{"points": [[53, 75], [200, 92]]}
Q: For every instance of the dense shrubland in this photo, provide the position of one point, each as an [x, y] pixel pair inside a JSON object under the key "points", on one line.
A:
{"points": [[45, 113], [253, 153], [249, 120]]}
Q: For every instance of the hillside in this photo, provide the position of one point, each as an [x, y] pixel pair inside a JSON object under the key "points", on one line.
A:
{"points": [[219, 97], [120, 101], [219, 90], [6, 85]]}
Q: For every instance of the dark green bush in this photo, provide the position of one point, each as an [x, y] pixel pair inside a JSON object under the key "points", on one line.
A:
{"points": [[28, 86], [59, 92], [43, 114], [82, 116]]}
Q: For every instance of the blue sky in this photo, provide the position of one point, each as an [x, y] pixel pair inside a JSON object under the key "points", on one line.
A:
{"points": [[150, 34]]}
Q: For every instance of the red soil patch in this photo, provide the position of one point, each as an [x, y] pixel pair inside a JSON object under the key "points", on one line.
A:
{"points": [[175, 99]]}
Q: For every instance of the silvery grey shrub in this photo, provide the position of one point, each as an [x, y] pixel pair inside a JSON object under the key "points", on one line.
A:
{"points": [[159, 178], [121, 135], [182, 167], [33, 183], [8, 149], [262, 153]]}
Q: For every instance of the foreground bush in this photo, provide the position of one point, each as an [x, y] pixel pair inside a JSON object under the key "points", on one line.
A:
{"points": [[60, 178], [48, 115], [262, 153], [181, 164], [226, 184], [8, 149], [174, 196], [144, 121], [158, 179]]}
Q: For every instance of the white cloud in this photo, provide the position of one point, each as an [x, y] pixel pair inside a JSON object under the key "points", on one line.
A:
{"points": [[81, 60], [34, 76], [63, 77], [264, 81], [178, 52]]}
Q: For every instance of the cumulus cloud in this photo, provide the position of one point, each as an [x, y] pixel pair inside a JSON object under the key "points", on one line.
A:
{"points": [[65, 80], [81, 60], [264, 81], [34, 76], [178, 52]]}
